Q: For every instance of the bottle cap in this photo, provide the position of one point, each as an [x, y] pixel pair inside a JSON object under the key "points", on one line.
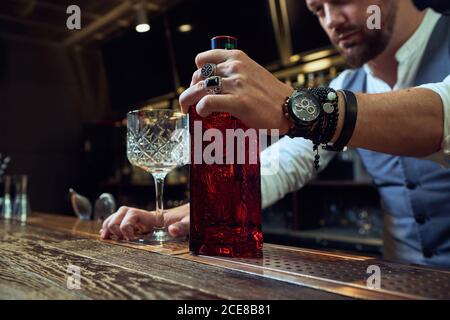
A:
{"points": [[224, 42]]}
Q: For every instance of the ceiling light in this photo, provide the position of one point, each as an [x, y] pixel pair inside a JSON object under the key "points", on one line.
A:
{"points": [[185, 28], [295, 58], [142, 24], [143, 27]]}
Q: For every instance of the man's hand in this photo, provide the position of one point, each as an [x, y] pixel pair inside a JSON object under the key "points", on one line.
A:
{"points": [[127, 223], [249, 92]]}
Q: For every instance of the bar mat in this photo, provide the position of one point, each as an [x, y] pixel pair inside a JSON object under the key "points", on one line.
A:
{"points": [[341, 274]]}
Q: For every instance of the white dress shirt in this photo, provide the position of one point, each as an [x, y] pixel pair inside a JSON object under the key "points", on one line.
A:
{"points": [[443, 89], [296, 157]]}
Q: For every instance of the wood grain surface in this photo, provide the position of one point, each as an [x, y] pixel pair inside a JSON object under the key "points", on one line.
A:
{"points": [[34, 259]]}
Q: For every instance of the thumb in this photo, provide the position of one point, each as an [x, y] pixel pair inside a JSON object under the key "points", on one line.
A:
{"points": [[215, 103], [181, 228], [176, 214]]}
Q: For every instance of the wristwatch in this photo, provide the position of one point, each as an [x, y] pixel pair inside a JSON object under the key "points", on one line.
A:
{"points": [[303, 109], [309, 111]]}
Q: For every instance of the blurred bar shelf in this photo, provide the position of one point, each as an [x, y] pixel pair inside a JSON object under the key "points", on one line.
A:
{"points": [[327, 238], [340, 183]]}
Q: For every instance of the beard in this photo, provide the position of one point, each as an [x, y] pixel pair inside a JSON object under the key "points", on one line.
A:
{"points": [[370, 43]]}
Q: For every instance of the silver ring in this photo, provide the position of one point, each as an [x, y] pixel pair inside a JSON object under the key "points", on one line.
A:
{"points": [[208, 70], [213, 85]]}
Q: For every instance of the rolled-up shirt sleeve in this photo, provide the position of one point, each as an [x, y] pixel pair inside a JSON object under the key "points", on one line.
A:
{"points": [[443, 90], [288, 164]]}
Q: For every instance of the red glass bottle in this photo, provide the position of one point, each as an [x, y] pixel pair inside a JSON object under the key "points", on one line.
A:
{"points": [[225, 215]]}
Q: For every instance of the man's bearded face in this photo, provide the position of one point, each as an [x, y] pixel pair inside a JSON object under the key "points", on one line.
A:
{"points": [[345, 22]]}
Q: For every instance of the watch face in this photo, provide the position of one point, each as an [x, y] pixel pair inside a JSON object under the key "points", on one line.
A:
{"points": [[305, 107]]}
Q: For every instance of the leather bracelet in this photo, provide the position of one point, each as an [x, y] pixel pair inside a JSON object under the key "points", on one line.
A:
{"points": [[351, 114], [330, 114], [332, 125]]}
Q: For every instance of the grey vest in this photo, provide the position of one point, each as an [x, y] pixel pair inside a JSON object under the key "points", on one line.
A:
{"points": [[415, 193]]}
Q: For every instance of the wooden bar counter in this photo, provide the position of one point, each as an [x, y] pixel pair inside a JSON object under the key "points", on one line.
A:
{"points": [[35, 257]]}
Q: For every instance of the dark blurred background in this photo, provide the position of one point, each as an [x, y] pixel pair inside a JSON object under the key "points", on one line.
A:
{"points": [[64, 95]]}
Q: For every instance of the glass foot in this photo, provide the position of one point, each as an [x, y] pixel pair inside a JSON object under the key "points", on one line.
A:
{"points": [[155, 238]]}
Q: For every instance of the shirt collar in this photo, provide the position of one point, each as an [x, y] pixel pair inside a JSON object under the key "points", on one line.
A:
{"points": [[419, 39]]}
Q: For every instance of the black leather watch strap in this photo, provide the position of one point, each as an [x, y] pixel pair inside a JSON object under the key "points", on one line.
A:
{"points": [[351, 114]]}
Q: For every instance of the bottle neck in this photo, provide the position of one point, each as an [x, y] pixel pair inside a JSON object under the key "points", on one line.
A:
{"points": [[224, 42]]}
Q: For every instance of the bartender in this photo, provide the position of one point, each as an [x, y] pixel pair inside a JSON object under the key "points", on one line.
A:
{"points": [[411, 49]]}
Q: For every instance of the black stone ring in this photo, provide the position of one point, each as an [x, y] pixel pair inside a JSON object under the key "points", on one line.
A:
{"points": [[208, 70], [213, 85]]}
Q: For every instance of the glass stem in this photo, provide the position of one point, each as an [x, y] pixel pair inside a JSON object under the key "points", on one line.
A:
{"points": [[159, 186]]}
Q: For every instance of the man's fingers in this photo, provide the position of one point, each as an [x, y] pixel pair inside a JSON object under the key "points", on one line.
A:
{"points": [[115, 230], [215, 56], [176, 214], [194, 94], [180, 228], [105, 234], [191, 95], [197, 77], [221, 70], [137, 221], [121, 212], [128, 225], [113, 223], [127, 222], [215, 103], [116, 218], [107, 220]]}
